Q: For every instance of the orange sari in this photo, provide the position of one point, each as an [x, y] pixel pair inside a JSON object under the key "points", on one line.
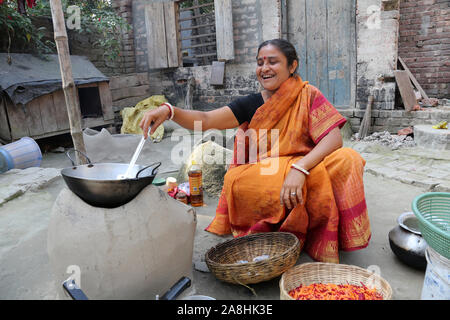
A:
{"points": [[334, 214]]}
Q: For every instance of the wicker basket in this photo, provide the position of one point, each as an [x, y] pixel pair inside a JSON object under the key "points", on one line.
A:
{"points": [[432, 209], [318, 272], [227, 260]]}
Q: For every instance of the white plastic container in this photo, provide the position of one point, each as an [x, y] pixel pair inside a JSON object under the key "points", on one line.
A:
{"points": [[436, 284]]}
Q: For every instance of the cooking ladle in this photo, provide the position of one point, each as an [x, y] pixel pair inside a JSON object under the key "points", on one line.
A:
{"points": [[135, 157]]}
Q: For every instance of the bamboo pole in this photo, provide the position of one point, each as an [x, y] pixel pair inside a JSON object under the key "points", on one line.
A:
{"points": [[70, 94]]}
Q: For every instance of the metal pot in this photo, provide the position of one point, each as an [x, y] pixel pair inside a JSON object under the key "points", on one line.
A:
{"points": [[407, 243], [98, 184], [76, 293]]}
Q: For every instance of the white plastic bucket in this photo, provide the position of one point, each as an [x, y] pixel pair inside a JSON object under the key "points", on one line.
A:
{"points": [[21, 154], [436, 284]]}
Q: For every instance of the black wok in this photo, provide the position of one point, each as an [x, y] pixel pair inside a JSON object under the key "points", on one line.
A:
{"points": [[98, 184]]}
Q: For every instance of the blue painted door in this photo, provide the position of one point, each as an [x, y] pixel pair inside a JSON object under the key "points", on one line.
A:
{"points": [[324, 34]]}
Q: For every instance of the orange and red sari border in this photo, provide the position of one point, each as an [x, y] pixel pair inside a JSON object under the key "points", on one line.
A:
{"points": [[323, 118]]}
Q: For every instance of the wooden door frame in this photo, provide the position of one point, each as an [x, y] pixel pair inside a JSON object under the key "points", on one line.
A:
{"points": [[284, 34]]}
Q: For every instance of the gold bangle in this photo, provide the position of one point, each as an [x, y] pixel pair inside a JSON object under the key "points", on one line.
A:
{"points": [[300, 169]]}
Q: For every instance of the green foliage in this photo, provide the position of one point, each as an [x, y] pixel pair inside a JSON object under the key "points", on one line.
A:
{"points": [[191, 3], [19, 28], [96, 16]]}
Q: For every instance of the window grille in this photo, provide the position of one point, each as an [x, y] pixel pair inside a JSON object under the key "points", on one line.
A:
{"points": [[197, 32]]}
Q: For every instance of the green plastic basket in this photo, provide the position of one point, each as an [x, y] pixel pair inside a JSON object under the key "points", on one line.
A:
{"points": [[432, 209]]}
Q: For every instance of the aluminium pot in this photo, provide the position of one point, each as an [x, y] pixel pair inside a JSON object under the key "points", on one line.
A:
{"points": [[98, 184], [407, 243]]}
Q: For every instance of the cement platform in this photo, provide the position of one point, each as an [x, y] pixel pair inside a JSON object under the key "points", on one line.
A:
{"points": [[24, 266], [427, 137]]}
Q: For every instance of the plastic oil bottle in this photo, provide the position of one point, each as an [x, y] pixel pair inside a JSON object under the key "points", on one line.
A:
{"points": [[195, 185]]}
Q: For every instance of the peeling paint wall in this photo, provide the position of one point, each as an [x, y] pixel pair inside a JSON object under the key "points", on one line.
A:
{"points": [[377, 41], [376, 51]]}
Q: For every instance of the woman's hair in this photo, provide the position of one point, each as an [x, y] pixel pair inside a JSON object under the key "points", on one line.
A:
{"points": [[285, 47]]}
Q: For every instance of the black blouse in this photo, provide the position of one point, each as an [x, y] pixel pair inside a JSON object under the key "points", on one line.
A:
{"points": [[244, 108]]}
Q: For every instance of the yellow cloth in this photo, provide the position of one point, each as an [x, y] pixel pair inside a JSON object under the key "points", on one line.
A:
{"points": [[133, 116]]}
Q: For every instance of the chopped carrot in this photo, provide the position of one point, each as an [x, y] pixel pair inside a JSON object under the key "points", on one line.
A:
{"points": [[331, 291]]}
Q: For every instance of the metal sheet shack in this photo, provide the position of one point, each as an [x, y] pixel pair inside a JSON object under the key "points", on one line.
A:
{"points": [[32, 100]]}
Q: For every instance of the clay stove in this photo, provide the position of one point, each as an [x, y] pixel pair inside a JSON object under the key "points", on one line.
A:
{"points": [[135, 251]]}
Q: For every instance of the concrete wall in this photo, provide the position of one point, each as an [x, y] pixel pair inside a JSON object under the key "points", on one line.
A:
{"points": [[424, 43], [376, 32], [376, 52]]}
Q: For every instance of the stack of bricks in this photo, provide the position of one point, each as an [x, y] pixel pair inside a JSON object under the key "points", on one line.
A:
{"points": [[394, 120], [424, 43], [124, 10]]}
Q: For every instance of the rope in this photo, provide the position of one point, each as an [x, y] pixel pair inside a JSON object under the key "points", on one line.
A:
{"points": [[242, 284]]}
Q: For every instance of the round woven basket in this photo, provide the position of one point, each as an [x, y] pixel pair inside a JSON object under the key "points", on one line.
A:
{"points": [[233, 261], [318, 272]]}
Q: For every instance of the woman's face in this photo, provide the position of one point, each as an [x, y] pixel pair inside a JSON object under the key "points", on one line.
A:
{"points": [[272, 68]]}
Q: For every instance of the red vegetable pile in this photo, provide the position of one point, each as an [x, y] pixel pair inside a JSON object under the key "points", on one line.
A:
{"points": [[331, 291]]}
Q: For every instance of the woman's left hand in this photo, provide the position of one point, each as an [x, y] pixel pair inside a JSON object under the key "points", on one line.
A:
{"points": [[291, 191]]}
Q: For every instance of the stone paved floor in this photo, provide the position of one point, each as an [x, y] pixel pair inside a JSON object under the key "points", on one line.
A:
{"points": [[394, 176], [416, 166]]}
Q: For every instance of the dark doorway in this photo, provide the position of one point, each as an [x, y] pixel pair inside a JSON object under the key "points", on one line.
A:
{"points": [[90, 103]]}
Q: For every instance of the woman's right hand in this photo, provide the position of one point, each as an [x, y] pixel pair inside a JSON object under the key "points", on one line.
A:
{"points": [[154, 118]]}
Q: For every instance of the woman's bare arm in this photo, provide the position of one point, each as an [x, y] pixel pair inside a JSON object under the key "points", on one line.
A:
{"points": [[291, 191], [331, 142], [222, 118]]}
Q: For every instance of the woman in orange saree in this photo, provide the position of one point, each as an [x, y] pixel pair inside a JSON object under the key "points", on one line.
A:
{"points": [[333, 214], [289, 172]]}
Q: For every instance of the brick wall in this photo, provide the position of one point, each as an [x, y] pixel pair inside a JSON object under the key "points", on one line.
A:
{"points": [[424, 43], [257, 20], [246, 33], [251, 26], [124, 9], [83, 44], [247, 30]]}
